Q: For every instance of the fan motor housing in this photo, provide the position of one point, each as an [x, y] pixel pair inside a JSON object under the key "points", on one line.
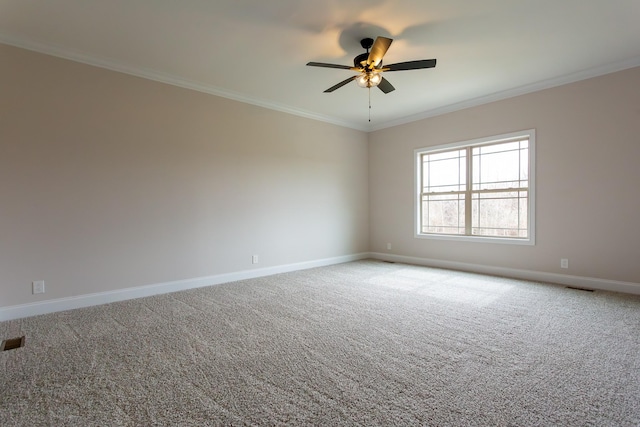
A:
{"points": [[361, 59], [358, 60]]}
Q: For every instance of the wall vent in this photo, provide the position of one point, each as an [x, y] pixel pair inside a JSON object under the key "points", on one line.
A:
{"points": [[12, 343], [579, 289]]}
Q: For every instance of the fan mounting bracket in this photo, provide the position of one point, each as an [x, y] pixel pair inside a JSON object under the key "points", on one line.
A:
{"points": [[366, 43]]}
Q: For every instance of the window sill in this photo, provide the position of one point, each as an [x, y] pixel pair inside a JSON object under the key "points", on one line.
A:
{"points": [[478, 239]]}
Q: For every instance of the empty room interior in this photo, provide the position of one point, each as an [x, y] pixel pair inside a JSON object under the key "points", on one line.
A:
{"points": [[319, 213]]}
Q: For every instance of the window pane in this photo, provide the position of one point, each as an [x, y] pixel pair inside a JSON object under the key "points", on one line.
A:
{"points": [[501, 166], [496, 148], [524, 211], [524, 167], [499, 214], [443, 214], [444, 155], [497, 170], [444, 171]]}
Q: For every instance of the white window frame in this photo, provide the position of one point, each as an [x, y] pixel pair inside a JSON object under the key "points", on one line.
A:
{"points": [[530, 240]]}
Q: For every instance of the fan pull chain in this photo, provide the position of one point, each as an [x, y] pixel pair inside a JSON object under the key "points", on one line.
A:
{"points": [[369, 104]]}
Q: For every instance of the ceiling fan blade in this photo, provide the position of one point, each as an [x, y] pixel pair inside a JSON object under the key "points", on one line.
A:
{"points": [[322, 64], [411, 65], [385, 86], [339, 85], [379, 48]]}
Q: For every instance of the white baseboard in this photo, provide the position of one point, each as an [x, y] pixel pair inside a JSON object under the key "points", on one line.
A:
{"points": [[538, 276], [79, 301]]}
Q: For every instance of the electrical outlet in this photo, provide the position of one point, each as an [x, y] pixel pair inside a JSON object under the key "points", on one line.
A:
{"points": [[37, 287], [564, 263], [388, 246], [254, 259]]}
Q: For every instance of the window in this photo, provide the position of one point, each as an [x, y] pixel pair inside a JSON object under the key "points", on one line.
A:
{"points": [[481, 190]]}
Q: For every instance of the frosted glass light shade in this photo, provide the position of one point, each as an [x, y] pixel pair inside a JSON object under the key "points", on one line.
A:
{"points": [[369, 79]]}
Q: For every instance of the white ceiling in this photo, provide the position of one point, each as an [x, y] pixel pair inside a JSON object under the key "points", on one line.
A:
{"points": [[255, 50]]}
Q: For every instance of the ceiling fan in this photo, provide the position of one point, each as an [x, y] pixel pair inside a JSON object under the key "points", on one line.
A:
{"points": [[370, 67]]}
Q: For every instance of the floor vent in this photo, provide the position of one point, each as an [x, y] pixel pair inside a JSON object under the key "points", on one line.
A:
{"points": [[12, 343], [579, 289]]}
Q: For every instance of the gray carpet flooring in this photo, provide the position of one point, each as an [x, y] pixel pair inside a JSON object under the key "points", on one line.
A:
{"points": [[364, 343]]}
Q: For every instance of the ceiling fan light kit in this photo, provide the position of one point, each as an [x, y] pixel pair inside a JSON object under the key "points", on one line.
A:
{"points": [[368, 79]]}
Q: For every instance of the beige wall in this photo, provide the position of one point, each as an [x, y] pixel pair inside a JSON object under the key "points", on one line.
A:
{"points": [[109, 181], [588, 179]]}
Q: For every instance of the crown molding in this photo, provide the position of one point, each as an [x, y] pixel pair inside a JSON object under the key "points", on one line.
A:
{"points": [[511, 93], [114, 65], [111, 64]]}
